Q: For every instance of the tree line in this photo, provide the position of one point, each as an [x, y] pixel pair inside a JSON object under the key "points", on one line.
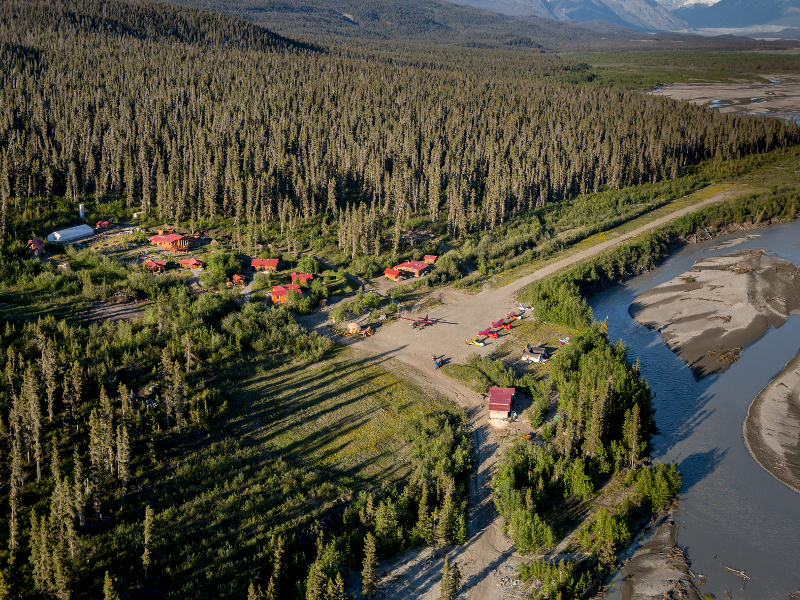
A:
{"points": [[160, 119]]}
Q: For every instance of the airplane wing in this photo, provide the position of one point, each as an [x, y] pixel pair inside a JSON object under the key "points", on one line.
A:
{"points": [[485, 331]]}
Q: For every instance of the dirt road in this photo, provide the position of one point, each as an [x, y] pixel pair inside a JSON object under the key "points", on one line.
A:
{"points": [[489, 554]]}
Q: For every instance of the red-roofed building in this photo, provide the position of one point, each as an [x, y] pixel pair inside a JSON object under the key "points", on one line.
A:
{"points": [[155, 266], [265, 264], [34, 247], [280, 293], [192, 263], [171, 241], [393, 274], [500, 400], [430, 258], [238, 280], [302, 278], [103, 224], [413, 267]]}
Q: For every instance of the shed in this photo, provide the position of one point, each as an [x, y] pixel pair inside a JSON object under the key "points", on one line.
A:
{"points": [[63, 266], [238, 280], [265, 264], [413, 267], [430, 258], [393, 274], [302, 277], [500, 401], [73, 234], [103, 224], [34, 247], [353, 327], [280, 293]]}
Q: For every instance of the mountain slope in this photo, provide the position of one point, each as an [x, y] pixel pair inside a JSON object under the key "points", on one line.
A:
{"points": [[742, 13], [640, 14]]}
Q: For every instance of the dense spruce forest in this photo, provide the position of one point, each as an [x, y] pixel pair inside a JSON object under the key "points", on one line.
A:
{"points": [[175, 455], [110, 107]]}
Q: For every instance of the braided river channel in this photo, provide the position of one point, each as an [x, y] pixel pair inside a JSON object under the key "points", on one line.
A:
{"points": [[729, 506]]}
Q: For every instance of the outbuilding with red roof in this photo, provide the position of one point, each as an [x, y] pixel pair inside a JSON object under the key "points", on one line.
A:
{"points": [[265, 264], [430, 258], [280, 293], [413, 267], [34, 247], [155, 266], [393, 274], [500, 401], [192, 263], [302, 278], [171, 241]]}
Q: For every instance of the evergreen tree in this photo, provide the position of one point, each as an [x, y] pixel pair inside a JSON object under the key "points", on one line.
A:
{"points": [[109, 591], [148, 527], [369, 575], [5, 589]]}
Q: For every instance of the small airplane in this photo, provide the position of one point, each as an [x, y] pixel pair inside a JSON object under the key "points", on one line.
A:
{"points": [[563, 341], [488, 333], [502, 324], [522, 307], [513, 316], [419, 322], [474, 342]]}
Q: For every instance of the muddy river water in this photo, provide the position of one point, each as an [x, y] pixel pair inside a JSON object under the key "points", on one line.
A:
{"points": [[730, 507]]}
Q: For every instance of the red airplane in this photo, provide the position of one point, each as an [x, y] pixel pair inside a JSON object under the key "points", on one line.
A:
{"points": [[513, 316], [419, 322], [488, 333], [500, 323]]}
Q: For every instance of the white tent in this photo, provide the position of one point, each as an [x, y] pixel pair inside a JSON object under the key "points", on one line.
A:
{"points": [[71, 234]]}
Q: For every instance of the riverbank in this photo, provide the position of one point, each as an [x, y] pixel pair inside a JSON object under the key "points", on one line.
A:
{"points": [[659, 568], [709, 314], [772, 427]]}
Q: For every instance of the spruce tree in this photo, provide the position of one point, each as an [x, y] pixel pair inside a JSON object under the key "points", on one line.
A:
{"points": [[369, 575], [148, 528], [109, 592]]}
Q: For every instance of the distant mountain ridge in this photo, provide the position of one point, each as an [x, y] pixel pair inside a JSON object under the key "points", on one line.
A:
{"points": [[639, 14], [742, 13]]}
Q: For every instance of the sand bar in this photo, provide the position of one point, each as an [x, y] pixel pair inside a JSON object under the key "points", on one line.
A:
{"points": [[772, 427], [708, 315]]}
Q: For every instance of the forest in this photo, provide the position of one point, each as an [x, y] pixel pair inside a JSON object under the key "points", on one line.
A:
{"points": [[198, 448]]}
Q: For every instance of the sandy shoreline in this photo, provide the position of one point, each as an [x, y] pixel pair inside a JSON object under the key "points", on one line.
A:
{"points": [[772, 427], [659, 568], [711, 313]]}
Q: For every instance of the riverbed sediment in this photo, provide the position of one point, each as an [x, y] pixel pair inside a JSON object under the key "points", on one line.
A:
{"points": [[711, 313], [772, 427]]}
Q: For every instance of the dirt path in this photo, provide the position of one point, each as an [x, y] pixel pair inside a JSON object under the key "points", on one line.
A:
{"points": [[489, 554]]}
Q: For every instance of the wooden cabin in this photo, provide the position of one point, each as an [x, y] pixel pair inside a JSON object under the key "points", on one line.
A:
{"points": [[413, 267], [500, 401], [269, 265], [280, 293]]}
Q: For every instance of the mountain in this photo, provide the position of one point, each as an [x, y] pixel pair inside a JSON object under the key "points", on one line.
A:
{"points": [[742, 14], [645, 15], [673, 5]]}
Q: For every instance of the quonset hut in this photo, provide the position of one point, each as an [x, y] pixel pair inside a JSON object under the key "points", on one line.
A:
{"points": [[73, 234]]}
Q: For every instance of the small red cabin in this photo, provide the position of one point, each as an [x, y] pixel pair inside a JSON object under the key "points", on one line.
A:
{"points": [[413, 267], [302, 278], [155, 266], [103, 224], [430, 258], [34, 247], [192, 263], [171, 241], [265, 264], [393, 274], [280, 293], [500, 400]]}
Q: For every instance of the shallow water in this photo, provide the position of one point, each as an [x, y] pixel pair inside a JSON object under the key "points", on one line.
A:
{"points": [[729, 505]]}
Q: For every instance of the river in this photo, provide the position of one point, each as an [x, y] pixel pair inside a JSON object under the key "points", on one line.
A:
{"points": [[729, 505]]}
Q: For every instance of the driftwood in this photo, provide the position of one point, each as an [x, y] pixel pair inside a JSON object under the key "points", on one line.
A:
{"points": [[741, 573], [794, 596]]}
